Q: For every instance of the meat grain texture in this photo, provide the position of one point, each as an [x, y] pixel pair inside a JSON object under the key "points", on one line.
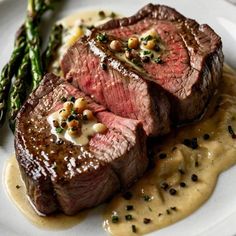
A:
{"points": [[161, 95], [67, 177]]}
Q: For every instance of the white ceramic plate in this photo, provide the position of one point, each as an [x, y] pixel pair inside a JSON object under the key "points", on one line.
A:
{"points": [[218, 215]]}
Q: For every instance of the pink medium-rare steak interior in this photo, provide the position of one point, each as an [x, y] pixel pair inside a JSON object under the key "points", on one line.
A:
{"points": [[118, 88], [161, 94]]}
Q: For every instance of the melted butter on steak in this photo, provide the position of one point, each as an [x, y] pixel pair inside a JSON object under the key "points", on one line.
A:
{"points": [[75, 123], [86, 131]]}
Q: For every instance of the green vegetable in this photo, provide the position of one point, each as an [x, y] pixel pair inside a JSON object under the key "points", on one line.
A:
{"points": [[158, 60], [102, 37], [18, 91], [8, 72], [35, 10], [145, 52], [147, 38], [32, 35], [59, 130]]}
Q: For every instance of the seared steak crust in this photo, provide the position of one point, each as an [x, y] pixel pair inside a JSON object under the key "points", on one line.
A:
{"points": [[67, 177], [160, 95]]}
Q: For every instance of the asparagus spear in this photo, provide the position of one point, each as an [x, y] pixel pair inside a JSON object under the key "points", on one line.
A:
{"points": [[18, 92], [55, 41], [8, 72], [35, 9], [32, 35]]}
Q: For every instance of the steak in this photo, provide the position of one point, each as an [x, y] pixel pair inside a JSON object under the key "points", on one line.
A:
{"points": [[160, 95], [61, 176]]}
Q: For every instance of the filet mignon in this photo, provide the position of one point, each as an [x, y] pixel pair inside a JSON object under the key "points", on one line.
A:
{"points": [[161, 94], [68, 177]]}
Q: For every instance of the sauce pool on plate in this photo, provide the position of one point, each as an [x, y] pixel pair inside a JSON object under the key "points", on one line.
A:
{"points": [[17, 192]]}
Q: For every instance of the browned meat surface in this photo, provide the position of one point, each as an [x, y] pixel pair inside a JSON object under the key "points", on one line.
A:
{"points": [[160, 94], [67, 177]]}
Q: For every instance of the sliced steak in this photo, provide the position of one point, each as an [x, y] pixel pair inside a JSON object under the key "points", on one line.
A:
{"points": [[67, 177], [159, 94]]}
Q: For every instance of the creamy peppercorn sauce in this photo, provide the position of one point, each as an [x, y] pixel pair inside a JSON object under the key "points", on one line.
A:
{"points": [[17, 192], [187, 164]]}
